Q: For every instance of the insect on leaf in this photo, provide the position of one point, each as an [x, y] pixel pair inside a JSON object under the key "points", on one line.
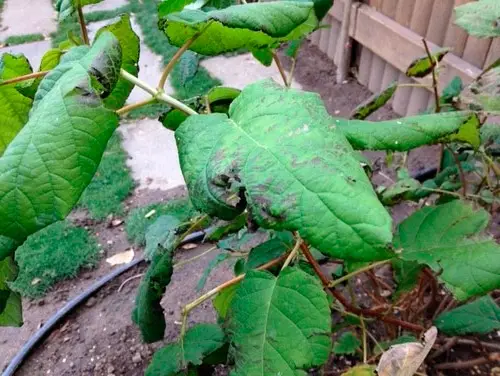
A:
{"points": [[480, 18], [405, 359], [479, 317], [249, 26], [423, 66], [290, 166], [375, 102]]}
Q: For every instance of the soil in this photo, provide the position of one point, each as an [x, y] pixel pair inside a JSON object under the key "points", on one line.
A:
{"points": [[99, 338]]}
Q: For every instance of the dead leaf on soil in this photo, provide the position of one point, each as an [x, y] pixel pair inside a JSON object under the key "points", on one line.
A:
{"points": [[189, 246], [121, 258], [405, 359]]}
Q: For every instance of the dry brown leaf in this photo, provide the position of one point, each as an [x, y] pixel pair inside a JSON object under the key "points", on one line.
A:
{"points": [[121, 258], [405, 359], [189, 246]]}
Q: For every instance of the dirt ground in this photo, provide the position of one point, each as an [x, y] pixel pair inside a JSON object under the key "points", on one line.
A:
{"points": [[99, 338]]}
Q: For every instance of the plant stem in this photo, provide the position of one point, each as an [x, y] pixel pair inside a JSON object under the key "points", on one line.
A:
{"points": [[292, 71], [280, 67], [134, 106], [434, 76], [365, 312], [492, 164], [363, 334], [24, 78], [157, 94], [171, 64], [415, 85], [461, 172], [292, 254], [83, 26], [355, 273], [493, 357], [492, 346], [194, 258]]}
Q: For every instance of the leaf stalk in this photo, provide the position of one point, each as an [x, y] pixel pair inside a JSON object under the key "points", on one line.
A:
{"points": [[83, 26], [24, 78]]}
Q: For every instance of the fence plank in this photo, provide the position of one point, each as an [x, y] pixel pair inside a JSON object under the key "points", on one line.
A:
{"points": [[456, 37], [365, 63], [334, 34], [476, 50], [325, 35], [421, 15], [494, 53], [376, 74], [315, 37], [439, 21]]}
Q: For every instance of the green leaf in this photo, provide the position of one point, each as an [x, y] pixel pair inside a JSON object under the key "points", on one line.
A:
{"points": [[67, 8], [282, 149], [11, 313], [223, 228], [47, 166], [199, 342], [375, 102], [223, 300], [423, 66], [12, 66], [130, 46], [321, 7], [479, 317], [412, 132], [279, 325], [483, 94], [293, 48], [163, 233], [243, 241], [220, 258], [7, 246], [187, 67], [50, 60], [362, 370], [480, 19], [406, 274], [265, 252], [171, 6], [347, 344], [248, 26], [264, 56], [403, 189], [148, 312], [452, 90], [447, 239]]}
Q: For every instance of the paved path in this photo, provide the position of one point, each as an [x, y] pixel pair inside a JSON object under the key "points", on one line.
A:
{"points": [[27, 17], [33, 51], [105, 5]]}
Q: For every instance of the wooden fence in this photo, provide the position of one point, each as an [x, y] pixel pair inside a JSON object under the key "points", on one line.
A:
{"points": [[387, 37]]}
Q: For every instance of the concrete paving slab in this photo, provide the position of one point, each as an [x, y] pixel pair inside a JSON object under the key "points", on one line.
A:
{"points": [[241, 70], [33, 51], [27, 17], [152, 152], [105, 5]]}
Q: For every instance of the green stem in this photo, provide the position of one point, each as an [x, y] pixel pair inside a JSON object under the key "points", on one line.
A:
{"points": [[434, 63], [157, 94], [83, 26], [134, 106], [292, 254], [280, 68], [355, 273], [194, 258]]}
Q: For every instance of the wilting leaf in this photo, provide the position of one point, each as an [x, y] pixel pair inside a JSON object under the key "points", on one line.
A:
{"points": [[375, 102], [51, 161], [163, 233], [249, 26], [347, 343], [483, 94], [447, 238], [279, 325], [11, 313], [480, 18], [199, 342], [423, 66], [479, 317], [412, 132], [281, 148], [405, 359]]}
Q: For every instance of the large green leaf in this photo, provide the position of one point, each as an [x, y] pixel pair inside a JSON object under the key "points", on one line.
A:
{"points": [[47, 166], [483, 94], [148, 312], [14, 106], [279, 325], [10, 302], [411, 132], [479, 317], [199, 342], [447, 238], [480, 18], [297, 171], [248, 26], [67, 8], [130, 46], [375, 102]]}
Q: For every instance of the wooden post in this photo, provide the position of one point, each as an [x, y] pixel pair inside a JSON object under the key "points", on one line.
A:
{"points": [[344, 44]]}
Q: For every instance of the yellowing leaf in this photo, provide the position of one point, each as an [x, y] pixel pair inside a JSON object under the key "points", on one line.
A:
{"points": [[405, 359], [121, 258]]}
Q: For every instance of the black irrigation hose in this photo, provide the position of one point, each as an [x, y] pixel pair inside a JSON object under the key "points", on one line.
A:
{"points": [[74, 303], [22, 355]]}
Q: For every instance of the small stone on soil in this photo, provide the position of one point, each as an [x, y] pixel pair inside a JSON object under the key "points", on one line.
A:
{"points": [[137, 358], [91, 302]]}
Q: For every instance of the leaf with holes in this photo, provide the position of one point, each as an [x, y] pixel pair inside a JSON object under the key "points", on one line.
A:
{"points": [[199, 342], [480, 18], [447, 238], [279, 325], [423, 66], [479, 317], [412, 132], [130, 47], [281, 153], [51, 161], [249, 26]]}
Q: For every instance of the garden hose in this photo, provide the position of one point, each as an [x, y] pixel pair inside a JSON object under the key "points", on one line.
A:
{"points": [[45, 330], [75, 302]]}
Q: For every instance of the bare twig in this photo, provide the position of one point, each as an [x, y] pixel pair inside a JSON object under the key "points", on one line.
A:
{"points": [[450, 342], [493, 357], [487, 345], [83, 26]]}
